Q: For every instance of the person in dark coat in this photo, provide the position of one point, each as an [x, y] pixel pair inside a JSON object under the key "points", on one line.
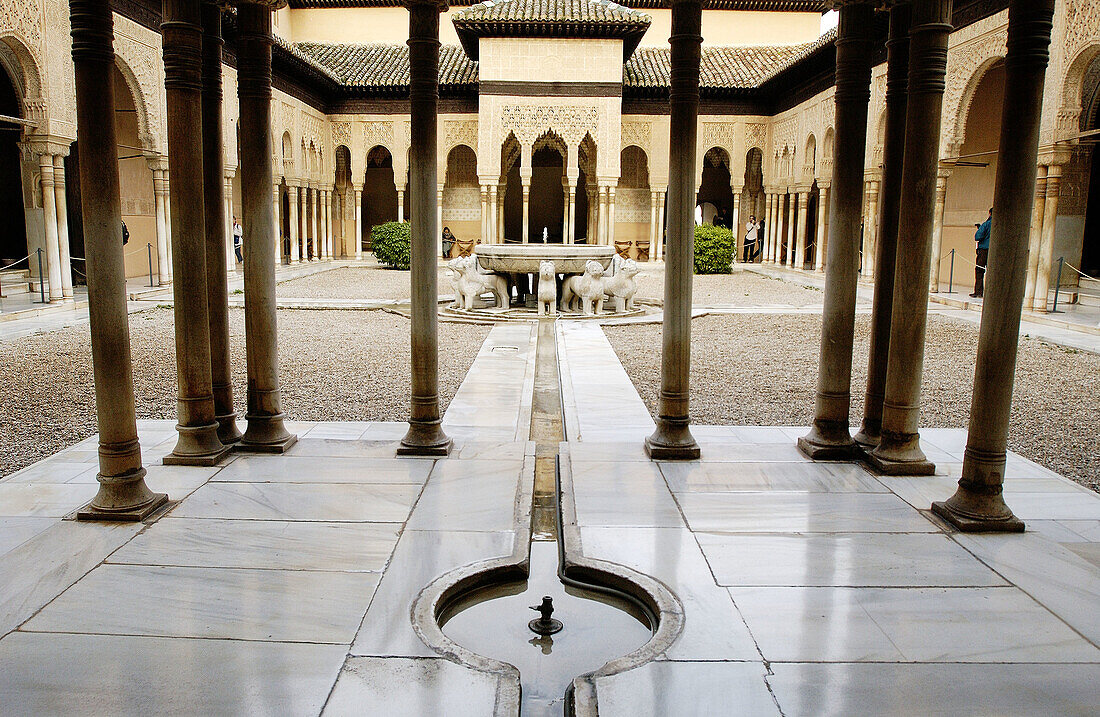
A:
{"points": [[981, 236]]}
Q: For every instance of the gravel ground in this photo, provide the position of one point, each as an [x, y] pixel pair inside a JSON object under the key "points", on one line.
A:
{"points": [[334, 366], [762, 370], [743, 288], [356, 282]]}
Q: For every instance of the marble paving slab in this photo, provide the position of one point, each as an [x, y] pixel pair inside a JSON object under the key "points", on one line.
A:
{"points": [[713, 477], [934, 690], [1001, 624], [241, 604], [407, 687], [53, 674], [623, 494], [316, 469], [801, 513], [855, 560], [274, 545], [682, 688], [301, 501], [467, 495]]}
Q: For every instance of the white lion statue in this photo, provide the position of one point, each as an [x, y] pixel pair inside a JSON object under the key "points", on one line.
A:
{"points": [[622, 285], [470, 283], [587, 288], [548, 289]]}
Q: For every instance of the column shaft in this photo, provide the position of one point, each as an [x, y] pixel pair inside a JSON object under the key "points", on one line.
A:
{"points": [[265, 431], [63, 258], [893, 154], [803, 230], [898, 451], [277, 211], [198, 442], [123, 494], [526, 210], [672, 439], [792, 218], [425, 435], [937, 231], [661, 225], [217, 244], [822, 220], [870, 230], [978, 505], [1035, 237], [49, 219], [292, 196], [229, 254], [829, 436], [400, 205], [611, 216], [1046, 245], [160, 203]]}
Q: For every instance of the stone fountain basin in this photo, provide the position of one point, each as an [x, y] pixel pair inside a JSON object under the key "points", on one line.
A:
{"points": [[525, 258]]}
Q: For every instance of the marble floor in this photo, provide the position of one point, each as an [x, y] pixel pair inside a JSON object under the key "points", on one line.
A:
{"points": [[286, 584]]}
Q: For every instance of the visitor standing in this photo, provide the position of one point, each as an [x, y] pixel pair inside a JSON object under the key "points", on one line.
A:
{"points": [[238, 238], [981, 236], [751, 232], [448, 241]]}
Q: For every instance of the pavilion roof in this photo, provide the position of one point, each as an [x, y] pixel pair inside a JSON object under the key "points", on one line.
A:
{"points": [[385, 68], [549, 18]]}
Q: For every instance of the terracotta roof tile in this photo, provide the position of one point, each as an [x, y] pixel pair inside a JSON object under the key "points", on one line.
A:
{"points": [[719, 67], [551, 11], [387, 66]]}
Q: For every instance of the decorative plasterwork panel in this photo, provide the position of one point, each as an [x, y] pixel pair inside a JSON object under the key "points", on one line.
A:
{"points": [[756, 135], [719, 134], [23, 18], [341, 134], [637, 133], [456, 132], [1082, 26], [783, 134], [139, 62], [375, 133], [531, 121]]}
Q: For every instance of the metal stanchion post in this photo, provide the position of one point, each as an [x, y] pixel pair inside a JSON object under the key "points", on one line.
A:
{"points": [[951, 274], [1057, 285], [41, 277], [149, 253]]}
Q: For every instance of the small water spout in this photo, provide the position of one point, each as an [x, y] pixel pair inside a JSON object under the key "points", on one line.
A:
{"points": [[545, 625]]}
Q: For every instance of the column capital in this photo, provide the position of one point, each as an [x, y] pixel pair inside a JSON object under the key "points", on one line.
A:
{"points": [[824, 183], [157, 162]]}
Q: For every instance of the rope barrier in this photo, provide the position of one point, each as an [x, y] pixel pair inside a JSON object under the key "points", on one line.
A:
{"points": [[15, 268], [1071, 266]]}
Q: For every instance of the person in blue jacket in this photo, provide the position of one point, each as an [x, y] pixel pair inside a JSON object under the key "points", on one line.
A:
{"points": [[982, 237]]}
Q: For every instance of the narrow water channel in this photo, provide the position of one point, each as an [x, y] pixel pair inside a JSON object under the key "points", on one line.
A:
{"points": [[494, 622]]}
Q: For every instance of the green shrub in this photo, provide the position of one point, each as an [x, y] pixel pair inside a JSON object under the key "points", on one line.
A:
{"points": [[713, 250], [390, 244]]}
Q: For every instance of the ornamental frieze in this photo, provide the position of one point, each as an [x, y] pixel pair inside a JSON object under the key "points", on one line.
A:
{"points": [[530, 121]]}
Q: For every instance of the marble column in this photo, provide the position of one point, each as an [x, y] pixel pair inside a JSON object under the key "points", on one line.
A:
{"points": [[265, 431], [776, 228], [611, 215], [803, 228], [494, 232], [790, 216], [571, 223], [735, 224], [229, 256], [62, 209], [123, 494], [661, 224], [1035, 239], [893, 154], [216, 241], [425, 435], [1046, 244], [160, 201], [829, 437], [672, 440], [439, 208], [198, 443], [168, 217], [822, 222], [870, 230], [292, 196], [937, 229], [769, 220], [400, 205], [601, 218], [358, 229], [526, 208], [49, 219], [483, 234], [898, 451], [653, 245], [277, 209], [328, 224], [315, 221], [978, 504]]}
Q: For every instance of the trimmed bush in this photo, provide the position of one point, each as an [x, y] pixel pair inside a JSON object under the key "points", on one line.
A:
{"points": [[713, 250], [390, 243]]}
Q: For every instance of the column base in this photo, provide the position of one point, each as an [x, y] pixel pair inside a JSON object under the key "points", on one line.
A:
{"points": [[265, 434], [899, 454], [125, 498], [976, 523], [228, 433], [672, 441], [425, 439], [829, 441], [869, 436], [197, 446]]}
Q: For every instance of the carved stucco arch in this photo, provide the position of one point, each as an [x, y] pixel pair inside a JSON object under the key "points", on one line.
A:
{"points": [[965, 69], [809, 157], [21, 65], [1072, 89], [146, 133]]}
